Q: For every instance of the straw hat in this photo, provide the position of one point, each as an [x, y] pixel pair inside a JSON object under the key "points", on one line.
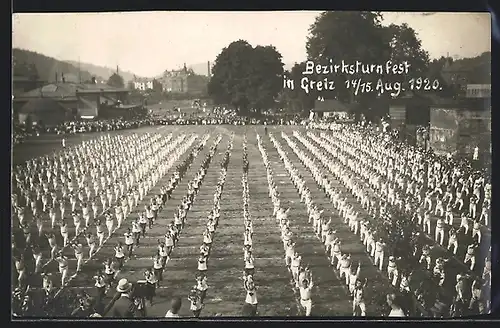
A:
{"points": [[123, 286]]}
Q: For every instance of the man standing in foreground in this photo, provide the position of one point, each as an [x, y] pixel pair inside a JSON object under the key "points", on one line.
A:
{"points": [[175, 306], [123, 307]]}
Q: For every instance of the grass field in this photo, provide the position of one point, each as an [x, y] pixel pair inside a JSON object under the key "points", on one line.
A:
{"points": [[226, 293]]}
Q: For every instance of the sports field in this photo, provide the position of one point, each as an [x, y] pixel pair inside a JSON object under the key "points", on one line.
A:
{"points": [[226, 294]]}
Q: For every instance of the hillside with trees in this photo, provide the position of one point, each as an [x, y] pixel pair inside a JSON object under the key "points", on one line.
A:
{"points": [[29, 63], [104, 72]]}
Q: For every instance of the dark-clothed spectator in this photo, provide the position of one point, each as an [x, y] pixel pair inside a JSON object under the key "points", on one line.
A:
{"points": [[249, 310], [123, 307]]}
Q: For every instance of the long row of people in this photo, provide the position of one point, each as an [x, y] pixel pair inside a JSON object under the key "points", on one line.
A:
{"points": [[473, 252], [104, 279], [198, 293], [137, 174], [301, 282], [223, 120], [445, 184], [248, 258], [86, 126], [168, 156], [361, 188], [53, 184], [163, 253], [346, 270], [371, 227], [144, 290], [444, 222], [375, 233], [343, 263], [31, 246]]}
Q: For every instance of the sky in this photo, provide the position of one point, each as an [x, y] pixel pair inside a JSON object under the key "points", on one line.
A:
{"points": [[148, 43]]}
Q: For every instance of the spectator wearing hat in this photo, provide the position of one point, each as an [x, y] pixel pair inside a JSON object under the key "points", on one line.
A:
{"points": [[123, 307], [175, 306]]}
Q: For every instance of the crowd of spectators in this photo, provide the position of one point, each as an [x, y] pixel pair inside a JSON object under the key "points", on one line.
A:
{"points": [[21, 132]]}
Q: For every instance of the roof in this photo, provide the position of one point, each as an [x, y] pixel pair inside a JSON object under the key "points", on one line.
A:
{"points": [[19, 78], [86, 108], [128, 106], [472, 104], [142, 80], [41, 104], [65, 90], [330, 105], [99, 87]]}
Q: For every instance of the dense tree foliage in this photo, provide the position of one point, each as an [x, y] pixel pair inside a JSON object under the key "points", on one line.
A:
{"points": [[296, 99], [246, 77], [46, 67], [116, 81], [24, 69], [405, 46], [359, 36], [348, 36]]}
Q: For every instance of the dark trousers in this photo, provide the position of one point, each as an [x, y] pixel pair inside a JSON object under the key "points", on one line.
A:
{"points": [[130, 249], [143, 229], [158, 274], [164, 261], [101, 294], [120, 262], [137, 237]]}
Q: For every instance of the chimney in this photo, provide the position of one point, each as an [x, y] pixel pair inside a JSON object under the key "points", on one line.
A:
{"points": [[208, 68], [62, 77]]}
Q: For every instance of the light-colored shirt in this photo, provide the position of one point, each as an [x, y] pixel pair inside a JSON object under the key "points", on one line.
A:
{"points": [[172, 315], [397, 313]]}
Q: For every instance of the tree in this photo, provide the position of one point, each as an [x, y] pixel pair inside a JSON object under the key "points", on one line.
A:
{"points": [[405, 46], [24, 69], [157, 86], [116, 81], [434, 71], [266, 77], [359, 36], [33, 72], [348, 36], [296, 98], [246, 77]]}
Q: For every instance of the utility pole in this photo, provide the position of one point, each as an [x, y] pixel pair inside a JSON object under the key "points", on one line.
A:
{"points": [[79, 71]]}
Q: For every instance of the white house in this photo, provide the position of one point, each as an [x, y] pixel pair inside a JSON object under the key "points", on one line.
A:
{"points": [[143, 85]]}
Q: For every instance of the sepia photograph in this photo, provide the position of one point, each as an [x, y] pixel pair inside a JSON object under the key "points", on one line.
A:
{"points": [[251, 164]]}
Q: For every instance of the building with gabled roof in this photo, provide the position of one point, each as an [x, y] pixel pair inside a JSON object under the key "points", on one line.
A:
{"points": [[83, 100], [44, 111]]}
